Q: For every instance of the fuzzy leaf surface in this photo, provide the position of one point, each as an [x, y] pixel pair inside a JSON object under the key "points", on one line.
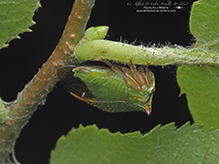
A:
{"points": [[165, 145], [15, 18], [204, 24], [201, 84]]}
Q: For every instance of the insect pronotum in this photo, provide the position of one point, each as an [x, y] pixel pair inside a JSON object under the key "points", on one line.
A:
{"points": [[114, 89]]}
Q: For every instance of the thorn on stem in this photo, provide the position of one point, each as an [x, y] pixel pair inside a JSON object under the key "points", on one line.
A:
{"points": [[55, 65], [72, 36], [8, 122], [60, 64], [28, 103], [78, 17], [71, 48]]}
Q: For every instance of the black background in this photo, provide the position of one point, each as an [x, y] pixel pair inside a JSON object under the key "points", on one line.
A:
{"points": [[62, 112]]}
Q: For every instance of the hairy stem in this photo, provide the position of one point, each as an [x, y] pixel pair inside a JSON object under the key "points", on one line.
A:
{"points": [[121, 52], [43, 82]]}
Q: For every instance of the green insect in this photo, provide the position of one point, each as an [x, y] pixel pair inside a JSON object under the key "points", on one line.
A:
{"points": [[114, 89]]}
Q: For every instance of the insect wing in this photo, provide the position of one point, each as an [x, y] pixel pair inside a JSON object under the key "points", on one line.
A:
{"points": [[72, 83]]}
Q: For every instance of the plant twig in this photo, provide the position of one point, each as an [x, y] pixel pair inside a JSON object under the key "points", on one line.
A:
{"points": [[43, 82], [117, 51]]}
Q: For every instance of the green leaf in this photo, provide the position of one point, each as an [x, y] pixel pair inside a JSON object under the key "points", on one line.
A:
{"points": [[15, 17], [201, 86], [165, 145], [3, 112], [204, 24]]}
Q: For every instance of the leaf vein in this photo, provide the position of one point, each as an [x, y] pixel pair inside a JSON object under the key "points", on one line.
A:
{"points": [[181, 147], [207, 150]]}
